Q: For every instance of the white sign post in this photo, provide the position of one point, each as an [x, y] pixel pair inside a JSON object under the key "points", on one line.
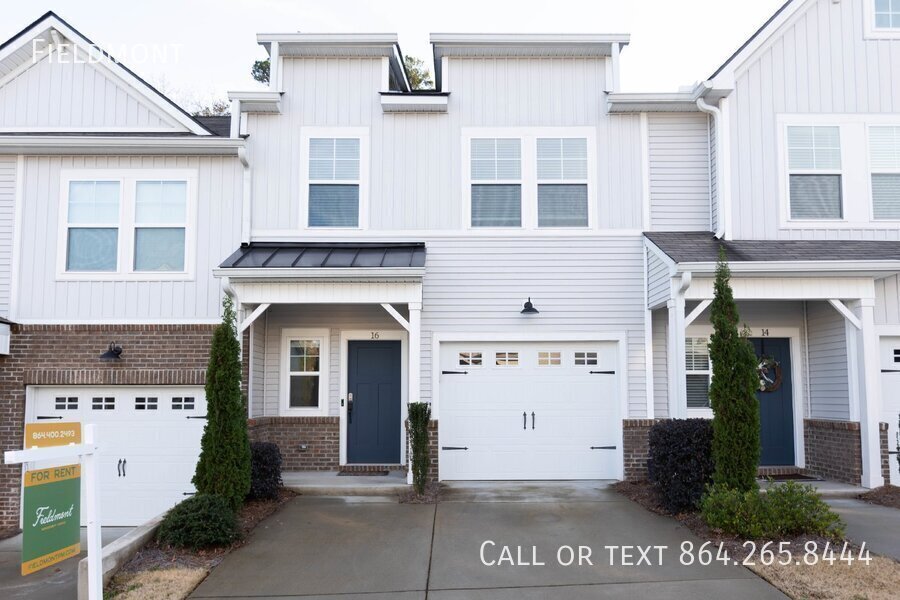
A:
{"points": [[86, 452]]}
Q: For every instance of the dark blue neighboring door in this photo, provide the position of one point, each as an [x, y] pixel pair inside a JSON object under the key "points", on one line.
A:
{"points": [[373, 416], [776, 405]]}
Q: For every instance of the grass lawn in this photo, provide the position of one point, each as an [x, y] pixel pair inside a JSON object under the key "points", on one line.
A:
{"points": [[879, 580]]}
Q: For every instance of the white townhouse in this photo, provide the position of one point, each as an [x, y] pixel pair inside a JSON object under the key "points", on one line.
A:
{"points": [[526, 247]]}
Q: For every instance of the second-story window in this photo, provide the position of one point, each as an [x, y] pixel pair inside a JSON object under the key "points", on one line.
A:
{"points": [[814, 167], [884, 163], [562, 182], [887, 14], [334, 182], [92, 241], [496, 173], [160, 218]]}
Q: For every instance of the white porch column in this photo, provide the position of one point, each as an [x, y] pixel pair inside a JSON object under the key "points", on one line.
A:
{"points": [[676, 351], [870, 394], [415, 370]]}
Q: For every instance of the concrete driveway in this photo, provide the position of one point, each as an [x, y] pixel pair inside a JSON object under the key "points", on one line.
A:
{"points": [[318, 547]]}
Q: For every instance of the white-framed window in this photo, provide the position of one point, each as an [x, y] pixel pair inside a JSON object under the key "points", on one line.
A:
{"points": [[884, 170], [506, 359], [698, 371], [529, 178], [335, 177], [549, 359], [814, 172], [470, 359], [126, 224], [305, 371], [584, 359], [881, 18]]}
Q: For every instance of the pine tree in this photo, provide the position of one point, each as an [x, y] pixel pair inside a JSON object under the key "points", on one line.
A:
{"points": [[224, 465], [732, 392]]}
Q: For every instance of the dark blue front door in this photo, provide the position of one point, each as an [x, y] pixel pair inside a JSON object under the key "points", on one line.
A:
{"points": [[776, 403], [373, 416]]}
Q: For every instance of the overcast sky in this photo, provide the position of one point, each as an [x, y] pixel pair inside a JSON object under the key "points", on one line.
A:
{"points": [[205, 47]]}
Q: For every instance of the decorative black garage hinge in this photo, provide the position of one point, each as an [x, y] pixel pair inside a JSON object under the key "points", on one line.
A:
{"points": [[45, 417], [603, 372], [454, 447], [454, 372], [603, 447]]}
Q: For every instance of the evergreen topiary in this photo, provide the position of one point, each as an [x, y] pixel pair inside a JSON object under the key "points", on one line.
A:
{"points": [[419, 417], [224, 465], [201, 521], [265, 471], [680, 465], [732, 392]]}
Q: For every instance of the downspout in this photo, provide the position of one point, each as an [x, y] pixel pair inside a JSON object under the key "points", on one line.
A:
{"points": [[720, 163]]}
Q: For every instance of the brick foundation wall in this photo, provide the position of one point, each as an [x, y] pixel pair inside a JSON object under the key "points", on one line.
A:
{"points": [[636, 447], [833, 450], [68, 355], [320, 436], [885, 457], [433, 450]]}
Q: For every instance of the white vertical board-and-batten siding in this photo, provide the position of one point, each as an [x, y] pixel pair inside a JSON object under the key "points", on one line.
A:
{"points": [[818, 62], [415, 172], [55, 93], [678, 146], [7, 223], [41, 297]]}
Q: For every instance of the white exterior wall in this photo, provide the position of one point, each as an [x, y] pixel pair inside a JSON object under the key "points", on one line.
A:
{"points": [[828, 369], [887, 301], [44, 298], [660, 325], [658, 280], [679, 158], [7, 223], [818, 62], [57, 96]]}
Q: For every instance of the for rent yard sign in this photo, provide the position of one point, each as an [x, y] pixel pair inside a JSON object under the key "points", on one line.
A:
{"points": [[51, 516]]}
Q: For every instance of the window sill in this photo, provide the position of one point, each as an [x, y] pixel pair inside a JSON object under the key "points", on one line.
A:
{"points": [[303, 412], [700, 413]]}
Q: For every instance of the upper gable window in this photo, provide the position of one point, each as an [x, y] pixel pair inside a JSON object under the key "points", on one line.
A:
{"points": [[125, 223], [884, 164], [814, 168], [335, 180], [496, 173], [562, 190]]}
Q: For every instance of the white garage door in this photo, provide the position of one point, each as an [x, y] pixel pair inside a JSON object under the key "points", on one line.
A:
{"points": [[890, 394], [149, 444], [529, 411]]}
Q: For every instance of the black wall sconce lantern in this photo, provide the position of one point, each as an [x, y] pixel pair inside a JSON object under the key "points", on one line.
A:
{"points": [[114, 352], [529, 308]]}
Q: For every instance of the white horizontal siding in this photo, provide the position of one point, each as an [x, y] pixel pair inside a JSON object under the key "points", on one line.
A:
{"points": [[257, 384], [7, 223], [678, 147], [818, 62], [658, 280], [713, 176], [887, 300], [53, 94], [828, 379], [660, 326], [43, 297]]}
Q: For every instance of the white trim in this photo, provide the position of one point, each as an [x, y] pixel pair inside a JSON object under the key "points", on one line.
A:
{"points": [[528, 179], [323, 336], [845, 312], [648, 340], [366, 335], [646, 214], [86, 129], [698, 310], [364, 183], [290, 235], [126, 225], [394, 103], [16, 250], [328, 292], [397, 316], [86, 144], [870, 32], [337, 273], [114, 321], [259, 310], [825, 268], [385, 74]]}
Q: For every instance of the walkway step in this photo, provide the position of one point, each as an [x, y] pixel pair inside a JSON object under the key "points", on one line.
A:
{"points": [[329, 483]]}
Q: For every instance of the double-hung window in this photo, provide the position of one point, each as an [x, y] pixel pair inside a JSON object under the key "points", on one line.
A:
{"points": [[127, 223], [562, 182], [699, 372], [884, 164], [336, 172], [814, 172], [887, 14], [496, 173], [305, 371]]}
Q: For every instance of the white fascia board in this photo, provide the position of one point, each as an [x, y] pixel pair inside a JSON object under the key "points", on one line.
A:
{"points": [[634, 102], [74, 144], [665, 258], [546, 45], [325, 44], [351, 273], [798, 268], [258, 101], [413, 103]]}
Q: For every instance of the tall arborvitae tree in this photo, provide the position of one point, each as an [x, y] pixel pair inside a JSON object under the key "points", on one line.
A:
{"points": [[224, 465], [735, 379]]}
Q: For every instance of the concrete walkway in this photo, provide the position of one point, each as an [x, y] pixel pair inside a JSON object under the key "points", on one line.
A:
{"points": [[375, 548], [877, 526], [59, 582]]}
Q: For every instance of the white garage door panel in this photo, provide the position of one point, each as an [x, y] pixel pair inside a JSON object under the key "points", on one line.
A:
{"points": [[890, 393], [530, 420], [159, 447]]}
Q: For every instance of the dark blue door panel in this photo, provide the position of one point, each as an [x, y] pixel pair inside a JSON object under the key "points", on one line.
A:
{"points": [[776, 407], [373, 424]]}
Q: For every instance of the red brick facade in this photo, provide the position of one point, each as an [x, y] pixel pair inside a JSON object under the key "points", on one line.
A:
{"points": [[636, 447], [885, 457], [306, 443], [833, 450], [68, 355]]}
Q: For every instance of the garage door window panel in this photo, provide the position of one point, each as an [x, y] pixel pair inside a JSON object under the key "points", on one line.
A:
{"points": [[585, 359], [549, 359], [183, 403], [470, 359], [506, 359], [144, 403], [66, 403], [103, 403]]}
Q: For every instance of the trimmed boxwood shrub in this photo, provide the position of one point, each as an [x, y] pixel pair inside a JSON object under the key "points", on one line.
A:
{"points": [[680, 465], [201, 521], [785, 510], [265, 471], [419, 417]]}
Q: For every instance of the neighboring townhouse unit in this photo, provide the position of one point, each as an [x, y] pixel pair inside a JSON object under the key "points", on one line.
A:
{"points": [[526, 247]]}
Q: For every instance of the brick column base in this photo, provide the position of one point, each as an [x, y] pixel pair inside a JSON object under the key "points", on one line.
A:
{"points": [[636, 447], [306, 443], [833, 450], [885, 457]]}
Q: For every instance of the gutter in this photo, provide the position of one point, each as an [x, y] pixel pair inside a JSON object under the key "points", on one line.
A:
{"points": [[854, 268], [76, 144]]}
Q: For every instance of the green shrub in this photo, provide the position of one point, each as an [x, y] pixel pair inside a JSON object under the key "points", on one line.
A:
{"points": [[785, 510], [265, 471], [419, 417], [680, 464], [201, 521]]}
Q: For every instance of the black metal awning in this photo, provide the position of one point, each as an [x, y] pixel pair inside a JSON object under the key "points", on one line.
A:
{"points": [[325, 255]]}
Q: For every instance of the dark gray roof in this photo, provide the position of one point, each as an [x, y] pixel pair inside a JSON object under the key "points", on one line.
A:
{"points": [[219, 125], [311, 255], [702, 246]]}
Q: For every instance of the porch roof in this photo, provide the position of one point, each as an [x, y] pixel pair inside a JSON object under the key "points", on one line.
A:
{"points": [[322, 255], [703, 247]]}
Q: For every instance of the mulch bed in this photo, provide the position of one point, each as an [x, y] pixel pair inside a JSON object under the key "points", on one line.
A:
{"points": [[432, 495], [886, 495], [155, 556]]}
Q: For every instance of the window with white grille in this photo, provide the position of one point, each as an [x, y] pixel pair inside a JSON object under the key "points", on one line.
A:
{"points": [[884, 166], [699, 371], [496, 175], [815, 176], [334, 182], [562, 182]]}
